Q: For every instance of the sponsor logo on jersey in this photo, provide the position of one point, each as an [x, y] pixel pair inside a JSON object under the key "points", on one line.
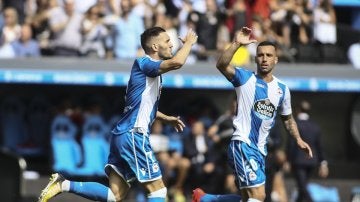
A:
{"points": [[252, 176], [264, 109]]}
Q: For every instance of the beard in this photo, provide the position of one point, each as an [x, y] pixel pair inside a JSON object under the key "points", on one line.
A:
{"points": [[166, 56]]}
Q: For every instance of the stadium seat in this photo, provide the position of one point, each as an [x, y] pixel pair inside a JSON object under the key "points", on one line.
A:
{"points": [[39, 120], [38, 125], [331, 53], [308, 54], [95, 146], [12, 122], [323, 193], [67, 155]]}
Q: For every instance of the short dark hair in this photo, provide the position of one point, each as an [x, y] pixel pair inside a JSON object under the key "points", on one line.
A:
{"points": [[148, 34], [267, 43]]}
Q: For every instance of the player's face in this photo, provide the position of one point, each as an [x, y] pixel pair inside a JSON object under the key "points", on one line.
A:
{"points": [[164, 46], [265, 59]]}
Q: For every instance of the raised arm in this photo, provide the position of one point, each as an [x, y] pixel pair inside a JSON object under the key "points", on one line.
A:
{"points": [[291, 127], [241, 38], [179, 58]]}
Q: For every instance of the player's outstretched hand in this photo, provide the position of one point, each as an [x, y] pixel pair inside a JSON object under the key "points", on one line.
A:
{"points": [[176, 122], [191, 37], [243, 36], [304, 146]]}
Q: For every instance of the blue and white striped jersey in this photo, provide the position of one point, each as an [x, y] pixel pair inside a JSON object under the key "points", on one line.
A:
{"points": [[142, 96], [258, 103]]}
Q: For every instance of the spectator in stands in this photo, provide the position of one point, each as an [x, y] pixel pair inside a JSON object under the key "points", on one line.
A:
{"points": [[93, 33], [109, 7], [19, 6], [198, 148], [65, 26], [133, 129], [264, 31], [40, 23], [6, 50], [302, 22], [82, 6], [261, 8], [275, 166], [9, 33], [147, 10], [160, 145], [1, 19], [325, 23], [220, 132], [175, 166], [301, 166], [114, 6], [353, 55], [207, 26], [12, 29], [236, 15], [187, 21], [126, 30], [281, 20], [26, 46]]}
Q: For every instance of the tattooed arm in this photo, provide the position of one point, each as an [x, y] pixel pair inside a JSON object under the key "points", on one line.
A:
{"points": [[291, 127]]}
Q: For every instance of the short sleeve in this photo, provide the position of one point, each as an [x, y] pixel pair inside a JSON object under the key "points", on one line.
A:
{"points": [[150, 67], [286, 103], [241, 77]]}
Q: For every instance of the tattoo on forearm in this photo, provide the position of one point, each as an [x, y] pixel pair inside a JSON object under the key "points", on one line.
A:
{"points": [[292, 128]]}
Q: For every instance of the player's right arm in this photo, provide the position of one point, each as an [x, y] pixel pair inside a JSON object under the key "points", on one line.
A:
{"points": [[179, 58], [242, 38]]}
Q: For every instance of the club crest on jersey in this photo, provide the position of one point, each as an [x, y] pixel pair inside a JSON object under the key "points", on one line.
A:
{"points": [[264, 109], [155, 167], [252, 176]]}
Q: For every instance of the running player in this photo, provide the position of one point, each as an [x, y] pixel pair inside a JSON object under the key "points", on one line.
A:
{"points": [[131, 157], [260, 96]]}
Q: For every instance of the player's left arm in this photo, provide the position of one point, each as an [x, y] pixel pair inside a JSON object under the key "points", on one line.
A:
{"points": [[176, 122], [291, 127], [290, 123]]}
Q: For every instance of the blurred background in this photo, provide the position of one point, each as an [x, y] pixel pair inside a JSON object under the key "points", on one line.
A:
{"points": [[64, 66]]}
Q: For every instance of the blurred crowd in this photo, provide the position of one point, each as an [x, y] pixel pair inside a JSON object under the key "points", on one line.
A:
{"points": [[110, 29], [73, 134]]}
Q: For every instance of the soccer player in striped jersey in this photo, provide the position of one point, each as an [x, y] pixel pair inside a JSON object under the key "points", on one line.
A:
{"points": [[131, 157], [260, 96]]}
